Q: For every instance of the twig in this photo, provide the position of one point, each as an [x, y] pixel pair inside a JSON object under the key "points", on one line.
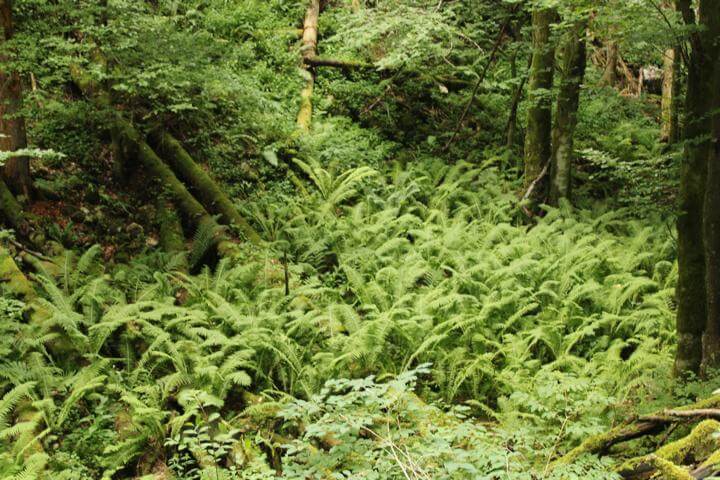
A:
{"points": [[555, 446], [31, 252]]}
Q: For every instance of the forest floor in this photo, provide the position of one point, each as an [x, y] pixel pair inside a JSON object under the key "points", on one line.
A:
{"points": [[472, 344]]}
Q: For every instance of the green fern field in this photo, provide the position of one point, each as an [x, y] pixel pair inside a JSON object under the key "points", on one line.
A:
{"points": [[359, 240], [459, 330]]}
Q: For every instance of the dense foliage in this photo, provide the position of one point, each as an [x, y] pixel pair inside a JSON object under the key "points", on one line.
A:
{"points": [[409, 311]]}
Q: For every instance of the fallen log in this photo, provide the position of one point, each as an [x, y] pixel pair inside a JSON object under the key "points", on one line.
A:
{"points": [[699, 447], [639, 427], [207, 190], [170, 228], [132, 144]]}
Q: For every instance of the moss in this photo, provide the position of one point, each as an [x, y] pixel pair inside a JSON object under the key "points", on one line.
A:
{"points": [[11, 211], [696, 446], [591, 445], [304, 118], [131, 142], [712, 461], [710, 402], [13, 280], [664, 469], [172, 239], [669, 471]]}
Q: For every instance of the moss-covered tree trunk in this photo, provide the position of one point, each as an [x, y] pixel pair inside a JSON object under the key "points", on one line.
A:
{"points": [[11, 210], [205, 188], [134, 146], [573, 52], [691, 289], [172, 239], [539, 122], [709, 17], [16, 172]]}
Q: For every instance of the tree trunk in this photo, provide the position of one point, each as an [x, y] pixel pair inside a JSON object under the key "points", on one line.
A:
{"points": [[709, 17], [309, 51], [12, 125], [205, 188], [669, 131], [572, 71], [539, 127], [669, 127], [691, 289], [610, 76]]}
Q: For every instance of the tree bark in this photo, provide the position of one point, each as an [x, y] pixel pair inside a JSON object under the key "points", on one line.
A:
{"points": [[205, 188], [709, 18], [669, 131], [669, 126], [309, 51], [691, 287], [16, 172], [572, 71], [539, 127]]}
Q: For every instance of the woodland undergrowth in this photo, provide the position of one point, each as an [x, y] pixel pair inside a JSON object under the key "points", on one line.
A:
{"points": [[404, 323]]}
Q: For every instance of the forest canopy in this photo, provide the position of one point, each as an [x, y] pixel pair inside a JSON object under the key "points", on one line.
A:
{"points": [[359, 239]]}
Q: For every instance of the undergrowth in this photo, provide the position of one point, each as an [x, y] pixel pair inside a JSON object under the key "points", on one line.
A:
{"points": [[420, 286]]}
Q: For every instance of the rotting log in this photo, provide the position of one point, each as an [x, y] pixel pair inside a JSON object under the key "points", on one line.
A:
{"points": [[207, 190], [647, 466], [700, 447]]}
